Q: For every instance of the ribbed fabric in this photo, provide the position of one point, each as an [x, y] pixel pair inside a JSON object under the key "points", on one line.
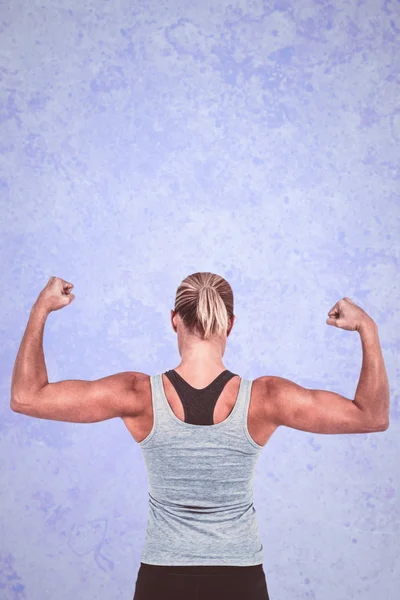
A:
{"points": [[200, 480]]}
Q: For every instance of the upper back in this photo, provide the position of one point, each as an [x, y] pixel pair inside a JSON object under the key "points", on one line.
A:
{"points": [[259, 425]]}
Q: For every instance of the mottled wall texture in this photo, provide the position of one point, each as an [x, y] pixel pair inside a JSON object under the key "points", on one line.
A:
{"points": [[140, 142]]}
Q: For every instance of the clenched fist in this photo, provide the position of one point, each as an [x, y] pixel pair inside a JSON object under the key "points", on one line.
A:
{"points": [[55, 295], [347, 315]]}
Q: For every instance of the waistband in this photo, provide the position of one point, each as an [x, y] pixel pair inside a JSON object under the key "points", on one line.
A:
{"points": [[201, 569]]}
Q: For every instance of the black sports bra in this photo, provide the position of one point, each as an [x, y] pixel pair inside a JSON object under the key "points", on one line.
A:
{"points": [[198, 405]]}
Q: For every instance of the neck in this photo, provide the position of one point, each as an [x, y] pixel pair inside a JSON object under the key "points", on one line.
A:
{"points": [[199, 375], [202, 360]]}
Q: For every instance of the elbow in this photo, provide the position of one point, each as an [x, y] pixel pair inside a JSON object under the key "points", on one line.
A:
{"points": [[376, 422], [383, 427], [15, 405]]}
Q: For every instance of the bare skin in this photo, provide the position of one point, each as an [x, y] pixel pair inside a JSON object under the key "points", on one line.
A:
{"points": [[201, 363], [274, 400]]}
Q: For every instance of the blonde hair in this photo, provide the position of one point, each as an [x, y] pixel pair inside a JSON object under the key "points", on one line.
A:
{"points": [[204, 302]]}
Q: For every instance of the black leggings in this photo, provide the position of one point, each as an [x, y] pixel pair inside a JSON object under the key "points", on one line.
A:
{"points": [[156, 582]]}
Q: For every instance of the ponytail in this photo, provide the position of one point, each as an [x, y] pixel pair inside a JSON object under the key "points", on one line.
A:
{"points": [[204, 301]]}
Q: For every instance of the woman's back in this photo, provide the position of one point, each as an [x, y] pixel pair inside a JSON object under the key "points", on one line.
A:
{"points": [[200, 477]]}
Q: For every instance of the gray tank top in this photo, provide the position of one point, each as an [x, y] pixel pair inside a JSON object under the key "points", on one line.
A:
{"points": [[200, 480]]}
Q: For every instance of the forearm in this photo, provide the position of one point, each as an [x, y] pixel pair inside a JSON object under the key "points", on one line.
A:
{"points": [[372, 394], [29, 373]]}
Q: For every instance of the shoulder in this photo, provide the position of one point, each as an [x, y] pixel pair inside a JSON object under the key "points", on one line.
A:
{"points": [[261, 390], [284, 397], [273, 383], [125, 380], [263, 383], [132, 386], [138, 380], [269, 390]]}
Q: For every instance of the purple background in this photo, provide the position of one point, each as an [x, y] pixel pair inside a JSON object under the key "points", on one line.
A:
{"points": [[144, 141]]}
